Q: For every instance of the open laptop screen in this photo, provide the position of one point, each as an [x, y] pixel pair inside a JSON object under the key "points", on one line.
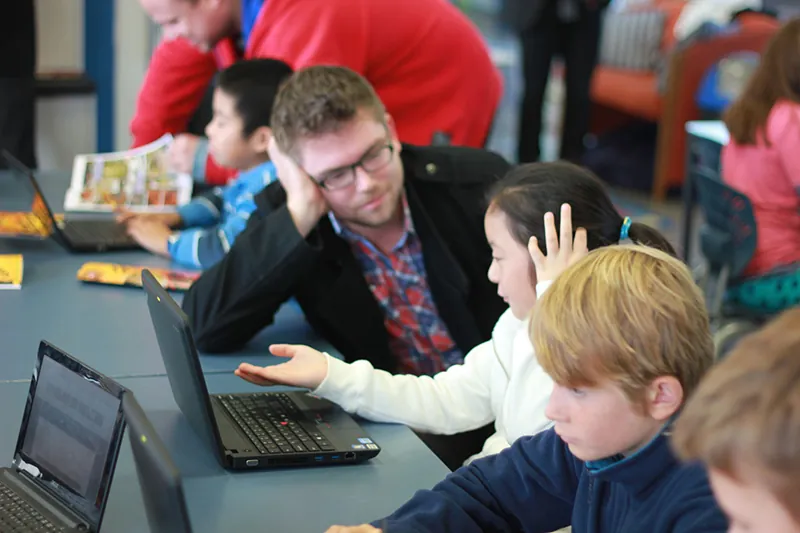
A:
{"points": [[39, 206], [71, 432]]}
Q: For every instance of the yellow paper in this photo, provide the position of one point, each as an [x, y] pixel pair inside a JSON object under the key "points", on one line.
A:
{"points": [[11, 271]]}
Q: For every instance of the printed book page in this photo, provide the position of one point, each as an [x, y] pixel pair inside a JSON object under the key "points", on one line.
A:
{"points": [[137, 180]]}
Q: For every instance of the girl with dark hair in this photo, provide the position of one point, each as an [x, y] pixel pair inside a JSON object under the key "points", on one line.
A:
{"points": [[763, 162], [500, 380], [528, 192]]}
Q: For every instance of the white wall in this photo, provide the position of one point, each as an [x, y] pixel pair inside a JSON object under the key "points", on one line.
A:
{"points": [[65, 125], [59, 35], [133, 45]]}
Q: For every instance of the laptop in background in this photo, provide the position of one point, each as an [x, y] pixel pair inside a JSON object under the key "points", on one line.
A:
{"points": [[76, 235], [66, 450], [246, 431], [159, 478]]}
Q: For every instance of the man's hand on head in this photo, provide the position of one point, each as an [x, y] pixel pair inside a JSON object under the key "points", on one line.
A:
{"points": [[303, 196]]}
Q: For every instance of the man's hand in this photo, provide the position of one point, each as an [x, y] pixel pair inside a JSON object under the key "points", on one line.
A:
{"points": [[150, 234], [560, 255], [180, 153], [363, 528], [306, 367], [303, 197]]}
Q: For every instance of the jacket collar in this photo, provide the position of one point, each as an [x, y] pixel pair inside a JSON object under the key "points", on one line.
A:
{"points": [[639, 471]]}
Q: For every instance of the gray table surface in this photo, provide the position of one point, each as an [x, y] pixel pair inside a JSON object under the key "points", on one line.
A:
{"points": [[285, 500], [107, 327]]}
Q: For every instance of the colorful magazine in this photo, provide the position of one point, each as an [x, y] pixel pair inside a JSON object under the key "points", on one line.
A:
{"points": [[11, 271], [137, 180], [131, 275]]}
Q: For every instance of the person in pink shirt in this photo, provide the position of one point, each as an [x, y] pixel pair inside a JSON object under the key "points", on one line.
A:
{"points": [[762, 161]]}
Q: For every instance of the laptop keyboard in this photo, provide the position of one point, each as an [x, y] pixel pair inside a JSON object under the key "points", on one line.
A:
{"points": [[96, 232], [272, 423], [17, 515]]}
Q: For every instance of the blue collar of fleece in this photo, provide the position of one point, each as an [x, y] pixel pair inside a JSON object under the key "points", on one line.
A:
{"points": [[639, 470]]}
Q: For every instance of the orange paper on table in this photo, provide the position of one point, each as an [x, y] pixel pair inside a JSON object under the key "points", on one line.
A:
{"points": [[131, 275]]}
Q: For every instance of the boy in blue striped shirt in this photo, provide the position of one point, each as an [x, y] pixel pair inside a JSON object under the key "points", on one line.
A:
{"points": [[202, 231]]}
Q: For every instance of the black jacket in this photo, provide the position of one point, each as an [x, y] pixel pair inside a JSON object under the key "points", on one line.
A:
{"points": [[270, 262]]}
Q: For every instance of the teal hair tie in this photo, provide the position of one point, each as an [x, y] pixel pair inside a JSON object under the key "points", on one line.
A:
{"points": [[626, 225]]}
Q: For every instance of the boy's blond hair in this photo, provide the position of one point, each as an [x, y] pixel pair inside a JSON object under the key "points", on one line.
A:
{"points": [[744, 420], [626, 314]]}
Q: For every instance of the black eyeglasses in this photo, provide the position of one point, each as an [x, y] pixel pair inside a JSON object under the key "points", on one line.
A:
{"points": [[373, 161]]}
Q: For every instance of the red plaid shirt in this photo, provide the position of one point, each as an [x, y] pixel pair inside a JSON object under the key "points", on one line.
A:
{"points": [[418, 337]]}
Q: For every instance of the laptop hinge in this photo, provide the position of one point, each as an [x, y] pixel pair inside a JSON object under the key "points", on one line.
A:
{"points": [[42, 499]]}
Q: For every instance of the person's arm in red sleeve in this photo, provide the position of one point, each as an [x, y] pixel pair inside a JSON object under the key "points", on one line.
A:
{"points": [[177, 78], [330, 34]]}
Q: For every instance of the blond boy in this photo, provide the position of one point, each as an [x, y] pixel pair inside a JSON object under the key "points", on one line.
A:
{"points": [[744, 424], [625, 336]]}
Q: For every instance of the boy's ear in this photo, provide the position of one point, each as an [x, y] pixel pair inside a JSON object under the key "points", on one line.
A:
{"points": [[259, 140], [664, 397]]}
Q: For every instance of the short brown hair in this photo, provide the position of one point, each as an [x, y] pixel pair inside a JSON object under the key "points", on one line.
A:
{"points": [[744, 420], [319, 100], [776, 78], [627, 314]]}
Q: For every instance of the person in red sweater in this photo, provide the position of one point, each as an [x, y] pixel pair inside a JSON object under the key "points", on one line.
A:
{"points": [[426, 60]]}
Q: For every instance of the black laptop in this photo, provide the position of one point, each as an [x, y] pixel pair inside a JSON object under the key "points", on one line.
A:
{"points": [[159, 478], [66, 450], [260, 430], [95, 234]]}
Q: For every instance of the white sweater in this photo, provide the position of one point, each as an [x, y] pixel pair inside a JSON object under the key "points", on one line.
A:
{"points": [[500, 380]]}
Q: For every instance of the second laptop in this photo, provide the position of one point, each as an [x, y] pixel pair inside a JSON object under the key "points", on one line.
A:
{"points": [[255, 430]]}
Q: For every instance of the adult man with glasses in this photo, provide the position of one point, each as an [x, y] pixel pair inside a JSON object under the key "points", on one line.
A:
{"points": [[381, 243]]}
